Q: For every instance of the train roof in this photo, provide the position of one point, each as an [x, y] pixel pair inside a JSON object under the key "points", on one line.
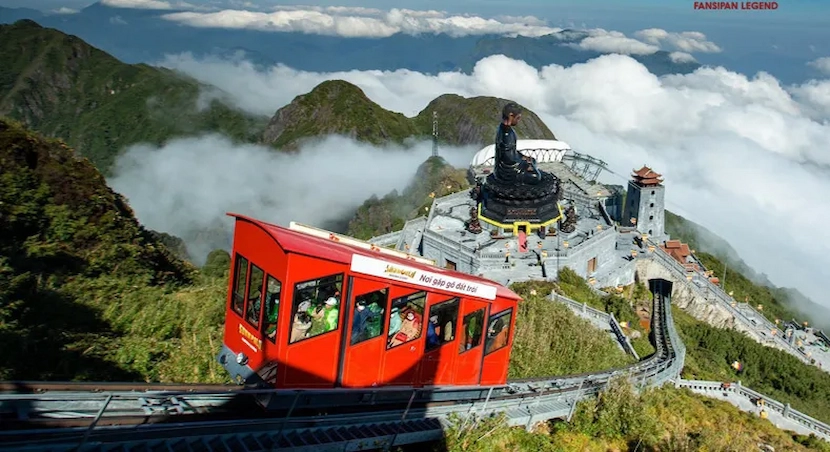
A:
{"points": [[301, 243]]}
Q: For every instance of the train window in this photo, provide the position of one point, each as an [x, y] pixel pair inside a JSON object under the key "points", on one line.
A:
{"points": [[471, 331], [254, 298], [405, 319], [240, 275], [273, 289], [367, 321], [316, 308], [498, 331], [442, 320]]}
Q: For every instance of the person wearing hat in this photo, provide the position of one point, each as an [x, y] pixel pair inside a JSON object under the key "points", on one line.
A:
{"points": [[331, 314], [511, 166]]}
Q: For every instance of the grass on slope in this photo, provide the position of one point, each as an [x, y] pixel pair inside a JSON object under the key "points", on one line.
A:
{"points": [[160, 333], [62, 87], [620, 419], [710, 352], [576, 288], [552, 340], [86, 293]]}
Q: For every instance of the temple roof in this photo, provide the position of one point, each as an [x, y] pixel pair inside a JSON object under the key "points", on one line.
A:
{"points": [[678, 250], [646, 176]]}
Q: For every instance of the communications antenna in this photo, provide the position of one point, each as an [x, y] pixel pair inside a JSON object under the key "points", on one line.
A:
{"points": [[435, 134]]}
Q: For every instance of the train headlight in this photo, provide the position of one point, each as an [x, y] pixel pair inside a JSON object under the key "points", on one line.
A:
{"points": [[241, 359]]}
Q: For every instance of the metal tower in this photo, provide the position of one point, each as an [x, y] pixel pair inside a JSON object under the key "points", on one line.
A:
{"points": [[435, 134]]}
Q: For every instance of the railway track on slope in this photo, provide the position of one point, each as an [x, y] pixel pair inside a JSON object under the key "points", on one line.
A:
{"points": [[99, 416]]}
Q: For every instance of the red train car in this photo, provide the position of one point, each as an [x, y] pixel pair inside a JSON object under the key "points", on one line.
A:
{"points": [[308, 308]]}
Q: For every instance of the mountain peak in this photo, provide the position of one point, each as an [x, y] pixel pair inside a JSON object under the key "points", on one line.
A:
{"points": [[61, 86], [337, 87], [473, 120], [341, 108], [336, 107], [26, 24]]}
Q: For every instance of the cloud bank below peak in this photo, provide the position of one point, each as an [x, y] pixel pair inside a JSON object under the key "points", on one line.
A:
{"points": [[741, 155]]}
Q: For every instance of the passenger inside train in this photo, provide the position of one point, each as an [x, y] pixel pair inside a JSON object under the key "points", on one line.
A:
{"points": [[497, 333], [319, 300], [443, 317], [367, 320], [471, 330], [410, 311], [272, 306], [255, 295]]}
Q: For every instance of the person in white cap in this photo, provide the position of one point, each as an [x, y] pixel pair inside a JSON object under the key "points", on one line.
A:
{"points": [[331, 314]]}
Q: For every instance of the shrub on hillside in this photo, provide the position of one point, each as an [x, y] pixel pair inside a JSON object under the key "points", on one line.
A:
{"points": [[551, 340]]}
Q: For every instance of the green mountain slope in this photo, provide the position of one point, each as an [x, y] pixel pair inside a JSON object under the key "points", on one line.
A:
{"points": [[335, 107], [339, 107], [745, 283], [473, 121], [62, 87], [86, 292], [381, 215]]}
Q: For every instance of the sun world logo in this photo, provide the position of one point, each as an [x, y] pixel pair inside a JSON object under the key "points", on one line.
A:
{"points": [[392, 270], [257, 342]]}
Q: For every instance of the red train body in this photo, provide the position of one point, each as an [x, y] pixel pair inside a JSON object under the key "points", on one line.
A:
{"points": [[310, 309]]}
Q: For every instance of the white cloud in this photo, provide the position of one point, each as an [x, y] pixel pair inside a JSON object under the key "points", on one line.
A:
{"points": [[147, 4], [731, 147], [65, 10], [822, 64], [814, 96], [355, 22], [681, 57], [615, 42], [359, 22], [687, 41], [185, 188]]}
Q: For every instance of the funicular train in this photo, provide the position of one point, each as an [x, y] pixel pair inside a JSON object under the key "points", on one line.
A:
{"points": [[310, 309]]}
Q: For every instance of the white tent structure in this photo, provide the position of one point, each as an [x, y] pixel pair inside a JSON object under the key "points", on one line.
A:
{"points": [[543, 151]]}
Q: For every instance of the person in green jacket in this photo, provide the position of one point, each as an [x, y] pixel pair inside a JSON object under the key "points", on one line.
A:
{"points": [[473, 332], [331, 314]]}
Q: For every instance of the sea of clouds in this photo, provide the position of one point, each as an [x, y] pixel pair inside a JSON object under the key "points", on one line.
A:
{"points": [[743, 155]]}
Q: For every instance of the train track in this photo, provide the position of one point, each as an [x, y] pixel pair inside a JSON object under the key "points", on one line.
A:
{"points": [[99, 414]]}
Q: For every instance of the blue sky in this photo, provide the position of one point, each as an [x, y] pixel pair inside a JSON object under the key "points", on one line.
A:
{"points": [[783, 39]]}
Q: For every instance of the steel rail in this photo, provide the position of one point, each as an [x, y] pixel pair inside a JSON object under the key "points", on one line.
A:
{"points": [[155, 412]]}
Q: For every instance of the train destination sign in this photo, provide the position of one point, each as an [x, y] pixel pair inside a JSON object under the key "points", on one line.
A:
{"points": [[383, 269]]}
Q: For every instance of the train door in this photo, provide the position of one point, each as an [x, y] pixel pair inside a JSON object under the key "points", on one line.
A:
{"points": [[363, 341], [249, 280], [470, 343], [496, 348], [270, 320], [311, 356], [404, 348], [439, 352]]}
